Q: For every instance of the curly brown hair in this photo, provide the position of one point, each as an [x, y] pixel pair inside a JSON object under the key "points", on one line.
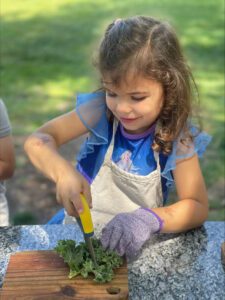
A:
{"points": [[151, 48]]}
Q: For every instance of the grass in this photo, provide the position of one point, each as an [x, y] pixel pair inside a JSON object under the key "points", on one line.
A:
{"points": [[46, 50], [24, 218]]}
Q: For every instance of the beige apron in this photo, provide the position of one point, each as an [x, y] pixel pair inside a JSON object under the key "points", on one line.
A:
{"points": [[116, 191]]}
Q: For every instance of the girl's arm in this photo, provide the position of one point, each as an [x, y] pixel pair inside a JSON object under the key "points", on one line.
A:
{"points": [[42, 149], [7, 157], [191, 210], [126, 233]]}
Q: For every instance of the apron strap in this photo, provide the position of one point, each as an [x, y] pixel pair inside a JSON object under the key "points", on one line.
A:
{"points": [[109, 152], [156, 156]]}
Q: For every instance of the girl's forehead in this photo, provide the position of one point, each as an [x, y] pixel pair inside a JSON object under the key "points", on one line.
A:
{"points": [[132, 83], [117, 78]]}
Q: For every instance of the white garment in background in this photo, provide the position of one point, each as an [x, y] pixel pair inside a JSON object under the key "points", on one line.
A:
{"points": [[5, 130], [4, 211]]}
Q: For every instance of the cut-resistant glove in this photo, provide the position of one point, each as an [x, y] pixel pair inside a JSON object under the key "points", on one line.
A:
{"points": [[126, 233]]}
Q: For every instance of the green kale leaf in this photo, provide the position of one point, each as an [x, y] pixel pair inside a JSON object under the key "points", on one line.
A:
{"points": [[80, 263]]}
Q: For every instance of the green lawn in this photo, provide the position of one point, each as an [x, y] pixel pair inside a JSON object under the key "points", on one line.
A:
{"points": [[46, 51]]}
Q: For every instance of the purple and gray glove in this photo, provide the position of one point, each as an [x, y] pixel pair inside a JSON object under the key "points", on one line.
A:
{"points": [[126, 233]]}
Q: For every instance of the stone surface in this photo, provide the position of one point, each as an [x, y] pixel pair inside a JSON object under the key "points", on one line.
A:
{"points": [[171, 266]]}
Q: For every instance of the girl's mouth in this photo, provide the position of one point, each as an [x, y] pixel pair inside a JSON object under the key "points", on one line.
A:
{"points": [[128, 120]]}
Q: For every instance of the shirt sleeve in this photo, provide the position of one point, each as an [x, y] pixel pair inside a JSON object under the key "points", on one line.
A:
{"points": [[5, 128], [92, 111], [185, 150]]}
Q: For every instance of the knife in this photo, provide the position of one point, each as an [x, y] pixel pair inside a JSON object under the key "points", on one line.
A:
{"points": [[85, 222]]}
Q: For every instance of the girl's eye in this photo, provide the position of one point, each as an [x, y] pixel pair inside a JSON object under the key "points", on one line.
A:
{"points": [[111, 94], [138, 98]]}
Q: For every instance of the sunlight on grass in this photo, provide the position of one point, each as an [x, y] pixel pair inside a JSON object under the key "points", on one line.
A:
{"points": [[64, 87], [27, 9], [211, 92], [199, 38]]}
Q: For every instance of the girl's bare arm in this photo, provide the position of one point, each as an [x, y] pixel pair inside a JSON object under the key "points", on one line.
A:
{"points": [[42, 145], [42, 149], [191, 210]]}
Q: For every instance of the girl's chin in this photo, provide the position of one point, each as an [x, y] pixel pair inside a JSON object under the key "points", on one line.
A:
{"points": [[133, 130]]}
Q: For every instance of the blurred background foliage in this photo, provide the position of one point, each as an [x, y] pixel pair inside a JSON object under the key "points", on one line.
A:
{"points": [[46, 58]]}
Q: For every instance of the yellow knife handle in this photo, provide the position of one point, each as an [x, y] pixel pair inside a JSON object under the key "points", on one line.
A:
{"points": [[85, 218]]}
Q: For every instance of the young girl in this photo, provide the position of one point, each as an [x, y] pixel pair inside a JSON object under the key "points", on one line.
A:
{"points": [[140, 141], [7, 162]]}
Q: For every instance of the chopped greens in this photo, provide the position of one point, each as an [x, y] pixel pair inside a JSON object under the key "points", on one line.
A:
{"points": [[79, 260]]}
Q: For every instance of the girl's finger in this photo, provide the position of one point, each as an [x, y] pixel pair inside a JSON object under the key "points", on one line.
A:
{"points": [[76, 200], [58, 198], [70, 209], [87, 194]]}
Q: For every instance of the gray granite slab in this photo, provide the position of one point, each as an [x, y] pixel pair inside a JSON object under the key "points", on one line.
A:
{"points": [[181, 266], [9, 242], [171, 266]]}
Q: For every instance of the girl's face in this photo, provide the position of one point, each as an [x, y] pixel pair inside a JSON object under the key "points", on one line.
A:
{"points": [[135, 103]]}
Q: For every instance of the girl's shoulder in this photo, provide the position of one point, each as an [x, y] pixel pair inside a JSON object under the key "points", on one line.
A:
{"points": [[93, 98], [185, 147], [92, 111], [190, 143]]}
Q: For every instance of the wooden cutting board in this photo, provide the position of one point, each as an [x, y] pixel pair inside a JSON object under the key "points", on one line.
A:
{"points": [[38, 275]]}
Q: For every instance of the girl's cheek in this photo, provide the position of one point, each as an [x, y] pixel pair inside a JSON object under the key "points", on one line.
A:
{"points": [[109, 104]]}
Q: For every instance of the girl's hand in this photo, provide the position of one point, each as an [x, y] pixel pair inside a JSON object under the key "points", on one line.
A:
{"points": [[126, 233], [69, 186]]}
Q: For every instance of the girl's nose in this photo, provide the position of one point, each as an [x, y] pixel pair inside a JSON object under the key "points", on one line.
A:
{"points": [[123, 107]]}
